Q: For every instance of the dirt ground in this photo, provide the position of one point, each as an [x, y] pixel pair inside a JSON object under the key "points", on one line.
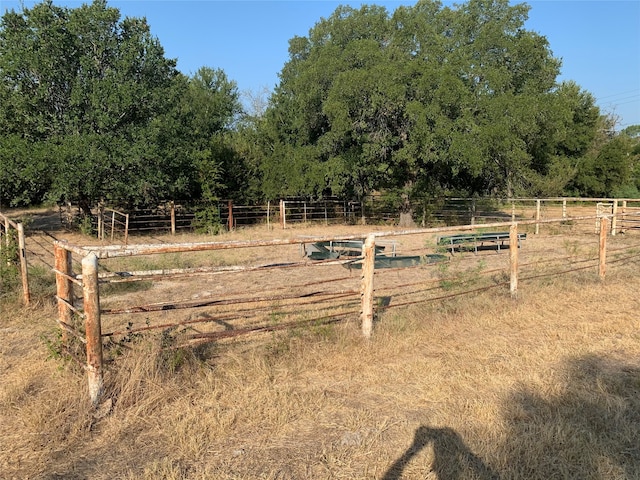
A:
{"points": [[459, 380], [277, 284]]}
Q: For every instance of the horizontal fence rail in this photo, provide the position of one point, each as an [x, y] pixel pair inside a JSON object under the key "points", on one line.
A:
{"points": [[373, 209], [316, 292]]}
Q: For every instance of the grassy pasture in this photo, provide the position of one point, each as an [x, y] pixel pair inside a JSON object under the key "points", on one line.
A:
{"points": [[472, 387]]}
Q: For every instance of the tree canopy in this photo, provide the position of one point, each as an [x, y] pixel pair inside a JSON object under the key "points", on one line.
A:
{"points": [[104, 112], [427, 99]]}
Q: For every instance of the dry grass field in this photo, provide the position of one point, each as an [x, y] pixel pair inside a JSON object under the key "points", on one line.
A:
{"points": [[475, 386]]}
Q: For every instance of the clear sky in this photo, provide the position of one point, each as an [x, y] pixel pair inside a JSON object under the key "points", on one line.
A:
{"points": [[597, 40]]}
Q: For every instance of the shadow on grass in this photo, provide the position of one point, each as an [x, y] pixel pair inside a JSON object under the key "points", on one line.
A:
{"points": [[586, 427], [452, 458]]}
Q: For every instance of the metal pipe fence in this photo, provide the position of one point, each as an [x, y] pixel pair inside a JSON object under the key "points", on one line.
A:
{"points": [[373, 210], [222, 299]]}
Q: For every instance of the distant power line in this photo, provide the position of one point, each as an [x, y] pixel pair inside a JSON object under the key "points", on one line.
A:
{"points": [[624, 100], [635, 92], [613, 101]]}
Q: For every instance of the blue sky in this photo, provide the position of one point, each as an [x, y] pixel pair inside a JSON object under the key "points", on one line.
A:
{"points": [[598, 41]]}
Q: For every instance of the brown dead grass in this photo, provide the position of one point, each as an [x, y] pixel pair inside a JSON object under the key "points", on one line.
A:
{"points": [[477, 386]]}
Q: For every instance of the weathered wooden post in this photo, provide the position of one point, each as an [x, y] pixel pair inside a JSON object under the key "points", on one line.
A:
{"points": [[602, 267], [100, 221], [268, 214], [564, 208], [614, 222], [537, 216], [230, 215], [93, 330], [283, 220], [368, 267], [126, 228], [473, 211], [113, 224], [513, 259], [513, 211], [173, 218], [64, 288], [22, 252]]}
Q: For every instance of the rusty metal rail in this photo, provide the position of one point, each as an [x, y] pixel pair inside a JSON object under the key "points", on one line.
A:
{"points": [[339, 304]]}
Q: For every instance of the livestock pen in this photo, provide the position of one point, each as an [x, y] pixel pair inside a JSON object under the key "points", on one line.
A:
{"points": [[195, 293]]}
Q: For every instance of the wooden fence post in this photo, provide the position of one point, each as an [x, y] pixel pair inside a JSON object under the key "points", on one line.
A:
{"points": [[268, 215], [613, 219], [564, 208], [473, 211], [100, 221], [93, 329], [283, 219], [230, 215], [513, 259], [368, 267], [113, 224], [64, 288], [537, 216], [126, 228], [602, 267], [513, 211], [22, 253], [173, 218]]}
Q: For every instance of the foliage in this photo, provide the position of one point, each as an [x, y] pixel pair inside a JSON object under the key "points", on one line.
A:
{"points": [[427, 99], [9, 269], [424, 99], [9, 278], [86, 225], [90, 108], [610, 167], [84, 85], [207, 220]]}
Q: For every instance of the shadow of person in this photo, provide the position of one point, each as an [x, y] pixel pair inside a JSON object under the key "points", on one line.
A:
{"points": [[452, 458], [587, 426]]}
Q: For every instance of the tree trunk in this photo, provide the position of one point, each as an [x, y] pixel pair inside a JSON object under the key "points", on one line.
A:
{"points": [[84, 206], [406, 220], [406, 214]]}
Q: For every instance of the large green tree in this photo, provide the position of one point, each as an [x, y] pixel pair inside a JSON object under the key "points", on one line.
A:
{"points": [[85, 86], [429, 98], [611, 165]]}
